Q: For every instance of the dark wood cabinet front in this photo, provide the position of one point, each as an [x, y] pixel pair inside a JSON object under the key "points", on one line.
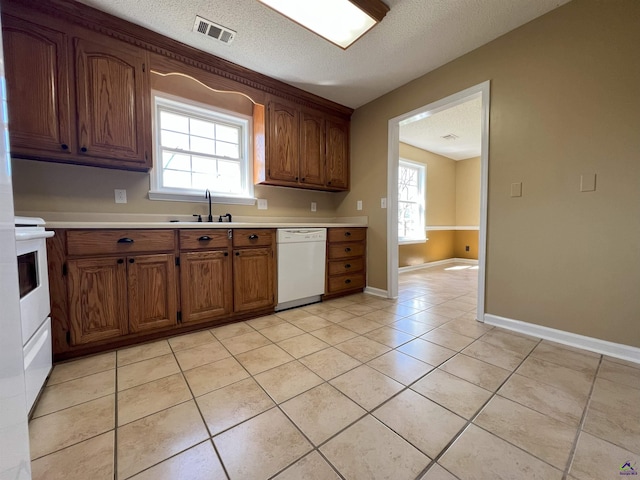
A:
{"points": [[337, 155], [253, 279], [312, 158], [284, 143]]}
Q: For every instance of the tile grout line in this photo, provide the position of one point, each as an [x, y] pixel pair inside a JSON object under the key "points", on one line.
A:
{"points": [[572, 453]]}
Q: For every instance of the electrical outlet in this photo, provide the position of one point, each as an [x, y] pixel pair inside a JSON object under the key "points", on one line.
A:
{"points": [[383, 203], [516, 189], [466, 248], [314, 206], [359, 205], [121, 195], [262, 204]]}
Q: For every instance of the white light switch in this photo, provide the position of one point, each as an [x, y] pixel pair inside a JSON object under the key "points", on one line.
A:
{"points": [[383, 203], [121, 196], [588, 182], [314, 206], [359, 205], [516, 189], [262, 204]]}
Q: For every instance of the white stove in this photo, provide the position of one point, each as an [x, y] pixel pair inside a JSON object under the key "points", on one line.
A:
{"points": [[35, 308]]}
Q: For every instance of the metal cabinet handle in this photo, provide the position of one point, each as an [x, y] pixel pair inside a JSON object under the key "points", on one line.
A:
{"points": [[253, 237], [302, 179], [226, 254], [64, 146], [120, 261], [125, 240], [204, 238], [348, 280], [83, 149], [328, 183], [347, 265], [347, 234], [132, 260], [347, 249], [237, 254]]}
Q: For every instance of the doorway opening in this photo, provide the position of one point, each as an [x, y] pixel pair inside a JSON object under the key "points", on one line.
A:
{"points": [[479, 92]]}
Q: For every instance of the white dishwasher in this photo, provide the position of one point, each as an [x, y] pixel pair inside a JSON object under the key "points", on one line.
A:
{"points": [[301, 266]]}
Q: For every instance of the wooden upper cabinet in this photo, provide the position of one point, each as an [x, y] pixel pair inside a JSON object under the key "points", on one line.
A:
{"points": [[97, 299], [284, 142], [151, 282], [337, 155], [312, 149], [38, 85], [112, 101], [205, 282]]}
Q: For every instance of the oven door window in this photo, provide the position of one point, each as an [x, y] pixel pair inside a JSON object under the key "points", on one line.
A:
{"points": [[28, 272]]}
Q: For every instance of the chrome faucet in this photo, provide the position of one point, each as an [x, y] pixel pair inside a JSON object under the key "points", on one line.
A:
{"points": [[207, 194]]}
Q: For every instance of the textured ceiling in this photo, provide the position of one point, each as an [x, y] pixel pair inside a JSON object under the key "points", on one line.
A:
{"points": [[463, 120], [414, 38]]}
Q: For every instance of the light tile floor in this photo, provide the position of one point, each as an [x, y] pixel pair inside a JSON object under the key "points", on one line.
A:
{"points": [[356, 388]]}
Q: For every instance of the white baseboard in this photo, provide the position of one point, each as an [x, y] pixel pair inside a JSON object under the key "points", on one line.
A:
{"points": [[409, 268], [618, 350], [378, 292]]}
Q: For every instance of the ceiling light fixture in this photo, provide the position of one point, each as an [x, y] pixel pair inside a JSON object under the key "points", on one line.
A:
{"points": [[341, 22]]}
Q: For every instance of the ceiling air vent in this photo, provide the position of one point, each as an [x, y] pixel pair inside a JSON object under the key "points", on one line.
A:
{"points": [[213, 30], [450, 136]]}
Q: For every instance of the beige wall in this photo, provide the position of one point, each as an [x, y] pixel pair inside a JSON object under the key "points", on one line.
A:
{"points": [[468, 192], [440, 246], [564, 101]]}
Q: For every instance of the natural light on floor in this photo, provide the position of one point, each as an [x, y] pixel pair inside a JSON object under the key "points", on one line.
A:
{"points": [[463, 267]]}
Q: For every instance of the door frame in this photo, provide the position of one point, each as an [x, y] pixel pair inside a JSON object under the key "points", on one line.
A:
{"points": [[481, 90]]}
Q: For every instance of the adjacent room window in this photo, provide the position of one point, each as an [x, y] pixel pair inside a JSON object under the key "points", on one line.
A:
{"points": [[199, 148], [411, 202]]}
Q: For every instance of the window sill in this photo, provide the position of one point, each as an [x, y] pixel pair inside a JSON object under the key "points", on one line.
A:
{"points": [[186, 197], [412, 241]]}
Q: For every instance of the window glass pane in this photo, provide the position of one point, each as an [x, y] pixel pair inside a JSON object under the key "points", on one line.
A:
{"points": [[228, 134], [228, 150], [203, 128], [205, 165], [230, 176], [176, 179], [172, 121], [202, 181], [411, 199], [176, 161], [202, 145], [174, 140]]}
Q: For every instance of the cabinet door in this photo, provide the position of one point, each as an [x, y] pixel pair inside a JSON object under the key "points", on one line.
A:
{"points": [[37, 88], [312, 148], [284, 138], [337, 155], [205, 282], [253, 279], [112, 103], [152, 292], [97, 299]]}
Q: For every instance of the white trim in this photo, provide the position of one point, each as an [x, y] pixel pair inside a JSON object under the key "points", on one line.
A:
{"points": [[413, 241], [393, 143], [408, 268], [378, 292], [187, 197], [617, 350], [451, 227]]}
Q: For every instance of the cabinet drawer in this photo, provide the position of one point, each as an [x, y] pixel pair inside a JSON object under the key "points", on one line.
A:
{"points": [[346, 282], [204, 239], [340, 267], [346, 250], [246, 237], [346, 234], [102, 242]]}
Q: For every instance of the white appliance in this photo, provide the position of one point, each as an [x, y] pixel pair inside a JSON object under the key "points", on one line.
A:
{"points": [[15, 463], [301, 266], [33, 280]]}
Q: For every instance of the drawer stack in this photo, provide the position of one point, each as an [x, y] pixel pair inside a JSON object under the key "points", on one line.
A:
{"points": [[346, 261]]}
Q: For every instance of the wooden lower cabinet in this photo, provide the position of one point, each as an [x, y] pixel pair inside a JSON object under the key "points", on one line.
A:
{"points": [[205, 285], [152, 292], [253, 279], [346, 261], [97, 299]]}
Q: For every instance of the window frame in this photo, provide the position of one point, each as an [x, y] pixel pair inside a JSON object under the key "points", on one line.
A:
{"points": [[194, 109], [422, 189]]}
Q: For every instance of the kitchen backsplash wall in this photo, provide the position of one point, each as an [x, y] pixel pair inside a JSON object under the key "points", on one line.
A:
{"points": [[51, 187]]}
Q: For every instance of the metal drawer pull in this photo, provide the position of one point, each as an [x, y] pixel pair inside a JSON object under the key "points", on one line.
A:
{"points": [[204, 238], [132, 260], [348, 280], [120, 261], [226, 254], [237, 254], [347, 249], [347, 265], [253, 237], [125, 240], [347, 234]]}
